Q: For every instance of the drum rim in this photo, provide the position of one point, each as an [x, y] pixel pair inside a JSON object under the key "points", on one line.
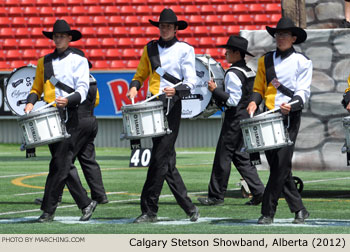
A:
{"points": [[52, 140], [265, 148], [142, 105], [38, 113], [145, 136], [7, 82], [261, 118]]}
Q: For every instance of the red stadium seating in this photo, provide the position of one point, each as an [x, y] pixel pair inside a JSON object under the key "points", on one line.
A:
{"points": [[114, 53], [218, 30], [30, 54], [100, 20], [118, 64], [115, 32], [26, 43], [201, 31], [10, 43], [111, 10], [212, 20], [83, 20], [192, 41], [108, 42], [127, 10], [4, 65], [132, 63], [15, 11], [92, 42], [14, 55], [121, 31], [224, 9], [208, 10], [273, 8], [7, 32]]}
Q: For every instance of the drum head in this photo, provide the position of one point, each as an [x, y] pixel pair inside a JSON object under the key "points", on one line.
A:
{"points": [[17, 88], [200, 97]]}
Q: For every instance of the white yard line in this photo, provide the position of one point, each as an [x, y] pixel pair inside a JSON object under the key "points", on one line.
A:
{"points": [[20, 175]]}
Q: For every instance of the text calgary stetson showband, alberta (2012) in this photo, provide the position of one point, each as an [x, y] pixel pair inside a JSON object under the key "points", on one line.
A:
{"points": [[217, 242]]}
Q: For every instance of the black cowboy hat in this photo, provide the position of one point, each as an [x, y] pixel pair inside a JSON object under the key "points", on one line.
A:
{"points": [[237, 43], [169, 16], [286, 24], [61, 26]]}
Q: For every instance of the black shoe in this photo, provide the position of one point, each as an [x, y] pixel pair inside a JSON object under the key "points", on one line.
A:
{"points": [[255, 200], [46, 217], [194, 215], [211, 201], [265, 220], [143, 218], [87, 211], [344, 24], [300, 216], [102, 200]]}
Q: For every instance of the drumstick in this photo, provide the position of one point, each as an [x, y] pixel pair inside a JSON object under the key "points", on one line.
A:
{"points": [[154, 96], [51, 103], [132, 100], [208, 57], [275, 109]]}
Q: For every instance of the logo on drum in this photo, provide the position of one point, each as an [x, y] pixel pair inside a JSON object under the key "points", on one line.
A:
{"points": [[257, 136], [32, 130], [137, 125]]}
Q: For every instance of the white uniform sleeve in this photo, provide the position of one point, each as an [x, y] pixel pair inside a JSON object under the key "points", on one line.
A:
{"points": [[188, 68], [304, 78], [81, 77], [233, 86]]}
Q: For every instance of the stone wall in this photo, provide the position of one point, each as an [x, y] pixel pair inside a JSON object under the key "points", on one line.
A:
{"points": [[324, 14], [321, 135]]}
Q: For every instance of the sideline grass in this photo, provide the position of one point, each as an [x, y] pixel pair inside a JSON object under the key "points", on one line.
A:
{"points": [[326, 195]]}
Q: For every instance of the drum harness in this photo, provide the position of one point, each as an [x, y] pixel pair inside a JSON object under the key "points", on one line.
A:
{"points": [[153, 55], [272, 77], [50, 75]]}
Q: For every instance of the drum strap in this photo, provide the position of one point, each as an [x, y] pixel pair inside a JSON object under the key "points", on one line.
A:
{"points": [[49, 72], [271, 74], [153, 55]]}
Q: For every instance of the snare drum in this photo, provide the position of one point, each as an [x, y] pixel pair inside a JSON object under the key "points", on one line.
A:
{"points": [[264, 133], [42, 127], [143, 120], [18, 86], [346, 125], [200, 104]]}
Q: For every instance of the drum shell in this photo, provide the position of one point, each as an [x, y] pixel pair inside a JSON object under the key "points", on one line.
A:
{"points": [[263, 133], [201, 104], [17, 88], [143, 120], [41, 128]]}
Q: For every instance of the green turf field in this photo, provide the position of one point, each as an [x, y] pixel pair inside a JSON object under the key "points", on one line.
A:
{"points": [[326, 196]]}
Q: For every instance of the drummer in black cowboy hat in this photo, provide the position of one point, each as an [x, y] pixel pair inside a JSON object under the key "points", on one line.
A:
{"points": [[63, 72], [166, 61], [283, 76], [238, 88]]}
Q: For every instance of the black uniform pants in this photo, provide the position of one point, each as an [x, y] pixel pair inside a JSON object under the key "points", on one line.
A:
{"points": [[62, 155], [162, 167], [280, 179], [85, 152], [228, 150]]}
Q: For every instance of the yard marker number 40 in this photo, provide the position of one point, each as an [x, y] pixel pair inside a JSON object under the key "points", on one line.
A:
{"points": [[140, 157]]}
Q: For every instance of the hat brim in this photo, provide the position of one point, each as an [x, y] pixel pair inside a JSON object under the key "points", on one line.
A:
{"points": [[182, 25], [296, 31], [235, 48], [76, 35]]}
